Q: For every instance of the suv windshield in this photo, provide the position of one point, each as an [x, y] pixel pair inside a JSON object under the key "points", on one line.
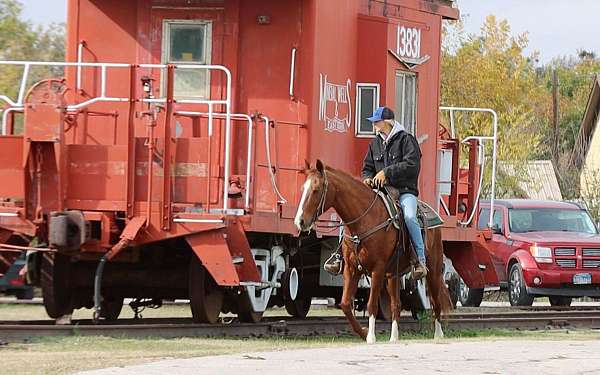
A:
{"points": [[550, 219]]}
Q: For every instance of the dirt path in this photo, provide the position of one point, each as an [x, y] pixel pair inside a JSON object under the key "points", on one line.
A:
{"points": [[511, 356]]}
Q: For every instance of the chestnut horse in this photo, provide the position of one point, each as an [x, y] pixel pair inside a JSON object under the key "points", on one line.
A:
{"points": [[369, 246]]}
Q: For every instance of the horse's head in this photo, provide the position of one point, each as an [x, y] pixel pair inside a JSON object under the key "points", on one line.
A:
{"points": [[316, 197]]}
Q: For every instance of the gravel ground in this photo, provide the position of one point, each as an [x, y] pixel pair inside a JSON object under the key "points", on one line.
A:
{"points": [[512, 356]]}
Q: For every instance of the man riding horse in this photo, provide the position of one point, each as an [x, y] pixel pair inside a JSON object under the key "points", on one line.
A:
{"points": [[393, 159]]}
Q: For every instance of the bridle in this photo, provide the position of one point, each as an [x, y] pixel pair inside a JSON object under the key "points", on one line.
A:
{"points": [[321, 207]]}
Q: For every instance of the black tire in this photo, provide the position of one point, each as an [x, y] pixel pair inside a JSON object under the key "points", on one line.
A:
{"points": [[24, 294], [454, 290], [469, 297], [206, 298], [517, 290], [110, 308], [55, 274], [560, 300]]}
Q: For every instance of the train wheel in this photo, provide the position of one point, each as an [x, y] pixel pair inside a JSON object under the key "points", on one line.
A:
{"points": [[296, 301], [206, 298], [250, 316], [110, 309], [299, 307], [245, 312], [55, 273]]}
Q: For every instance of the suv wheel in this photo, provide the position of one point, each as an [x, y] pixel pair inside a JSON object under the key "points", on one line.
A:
{"points": [[517, 290], [560, 301], [470, 297]]}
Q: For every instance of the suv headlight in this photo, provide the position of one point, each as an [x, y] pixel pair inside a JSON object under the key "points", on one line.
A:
{"points": [[541, 254]]}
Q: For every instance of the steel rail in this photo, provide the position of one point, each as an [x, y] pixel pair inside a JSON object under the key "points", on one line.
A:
{"points": [[293, 328]]}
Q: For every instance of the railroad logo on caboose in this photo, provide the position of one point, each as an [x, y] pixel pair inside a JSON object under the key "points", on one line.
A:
{"points": [[335, 107]]}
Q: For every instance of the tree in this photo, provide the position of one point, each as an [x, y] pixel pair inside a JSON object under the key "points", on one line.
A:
{"points": [[491, 70], [20, 40], [575, 77]]}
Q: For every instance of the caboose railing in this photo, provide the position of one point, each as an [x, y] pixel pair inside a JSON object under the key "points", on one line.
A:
{"points": [[481, 153], [225, 103]]}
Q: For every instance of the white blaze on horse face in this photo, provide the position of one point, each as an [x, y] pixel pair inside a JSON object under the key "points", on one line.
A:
{"points": [[371, 339], [300, 211], [394, 335]]}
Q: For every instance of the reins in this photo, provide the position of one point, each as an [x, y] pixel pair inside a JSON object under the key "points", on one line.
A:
{"points": [[355, 239]]}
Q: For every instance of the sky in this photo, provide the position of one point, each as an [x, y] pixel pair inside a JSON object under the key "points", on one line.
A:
{"points": [[556, 27]]}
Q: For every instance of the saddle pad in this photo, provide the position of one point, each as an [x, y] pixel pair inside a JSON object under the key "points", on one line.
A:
{"points": [[428, 218], [431, 218], [391, 207]]}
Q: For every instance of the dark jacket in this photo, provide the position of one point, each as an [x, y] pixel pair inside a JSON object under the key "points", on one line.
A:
{"points": [[400, 159]]}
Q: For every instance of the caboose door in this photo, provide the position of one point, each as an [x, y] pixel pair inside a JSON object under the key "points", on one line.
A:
{"points": [[192, 36]]}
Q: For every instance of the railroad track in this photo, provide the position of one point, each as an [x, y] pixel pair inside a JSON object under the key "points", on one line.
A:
{"points": [[528, 319]]}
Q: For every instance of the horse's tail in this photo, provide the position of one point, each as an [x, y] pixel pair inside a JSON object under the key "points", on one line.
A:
{"points": [[438, 292]]}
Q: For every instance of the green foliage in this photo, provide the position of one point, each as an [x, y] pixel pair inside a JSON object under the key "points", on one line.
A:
{"points": [[20, 40], [491, 70]]}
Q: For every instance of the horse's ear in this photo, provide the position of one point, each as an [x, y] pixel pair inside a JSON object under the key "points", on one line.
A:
{"points": [[320, 166], [306, 165]]}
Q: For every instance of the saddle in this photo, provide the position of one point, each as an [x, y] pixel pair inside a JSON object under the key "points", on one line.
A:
{"points": [[427, 216]]}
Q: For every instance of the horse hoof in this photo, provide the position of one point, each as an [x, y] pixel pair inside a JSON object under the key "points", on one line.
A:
{"points": [[365, 333], [371, 339]]}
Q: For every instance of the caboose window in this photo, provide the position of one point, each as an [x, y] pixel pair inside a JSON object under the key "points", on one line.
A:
{"points": [[367, 101], [188, 42], [406, 100]]}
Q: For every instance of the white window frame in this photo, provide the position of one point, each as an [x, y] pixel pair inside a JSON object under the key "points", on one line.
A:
{"points": [[359, 115], [166, 52], [400, 113]]}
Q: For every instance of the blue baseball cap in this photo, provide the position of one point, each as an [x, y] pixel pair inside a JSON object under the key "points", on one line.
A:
{"points": [[382, 113]]}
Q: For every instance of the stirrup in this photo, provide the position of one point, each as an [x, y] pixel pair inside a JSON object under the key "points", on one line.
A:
{"points": [[334, 259], [424, 274]]}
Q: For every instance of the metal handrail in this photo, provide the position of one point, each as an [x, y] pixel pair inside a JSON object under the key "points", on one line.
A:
{"points": [[267, 122], [234, 116], [104, 97], [493, 138]]}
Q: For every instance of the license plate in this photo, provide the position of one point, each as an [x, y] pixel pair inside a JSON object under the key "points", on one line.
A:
{"points": [[582, 278]]}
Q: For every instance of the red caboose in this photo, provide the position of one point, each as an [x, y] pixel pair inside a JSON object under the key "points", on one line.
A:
{"points": [[166, 164]]}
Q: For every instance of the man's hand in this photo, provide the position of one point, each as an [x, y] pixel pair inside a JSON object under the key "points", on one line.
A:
{"points": [[379, 179], [368, 182]]}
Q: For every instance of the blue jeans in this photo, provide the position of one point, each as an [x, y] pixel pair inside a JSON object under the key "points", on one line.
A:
{"points": [[408, 202]]}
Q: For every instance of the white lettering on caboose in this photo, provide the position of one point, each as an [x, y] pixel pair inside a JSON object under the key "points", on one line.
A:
{"points": [[409, 42], [335, 107]]}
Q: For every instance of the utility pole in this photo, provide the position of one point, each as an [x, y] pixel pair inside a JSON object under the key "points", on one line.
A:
{"points": [[555, 130]]}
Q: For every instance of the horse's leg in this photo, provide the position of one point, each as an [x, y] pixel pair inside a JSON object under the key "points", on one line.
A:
{"points": [[440, 297], [350, 285], [392, 289], [377, 278]]}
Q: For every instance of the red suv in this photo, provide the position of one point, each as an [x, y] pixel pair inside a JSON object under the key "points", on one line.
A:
{"points": [[543, 248]]}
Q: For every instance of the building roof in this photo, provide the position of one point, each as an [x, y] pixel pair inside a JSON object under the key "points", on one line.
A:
{"points": [[541, 182], [533, 203], [588, 125]]}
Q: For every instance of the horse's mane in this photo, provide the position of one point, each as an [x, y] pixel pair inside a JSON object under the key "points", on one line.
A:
{"points": [[349, 179]]}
